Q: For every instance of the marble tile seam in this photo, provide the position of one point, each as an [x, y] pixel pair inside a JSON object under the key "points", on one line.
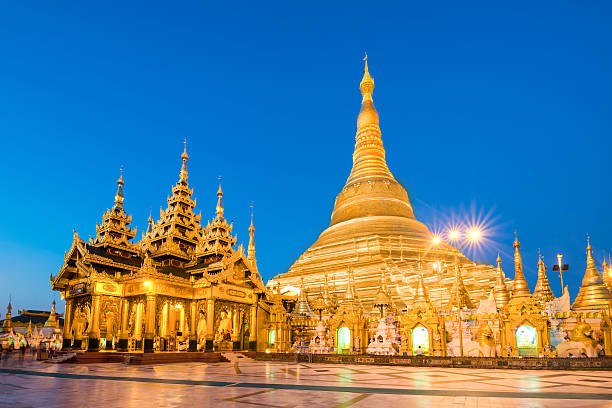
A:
{"points": [[329, 388]]}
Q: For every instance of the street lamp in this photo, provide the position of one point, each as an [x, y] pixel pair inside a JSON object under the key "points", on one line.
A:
{"points": [[560, 267], [473, 235]]}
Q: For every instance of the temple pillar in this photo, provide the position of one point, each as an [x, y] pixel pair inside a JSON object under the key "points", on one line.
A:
{"points": [[138, 326], [193, 327], [183, 321], [94, 330], [168, 325], [236, 326], [67, 336], [210, 324], [253, 328], [124, 330], [149, 333]]}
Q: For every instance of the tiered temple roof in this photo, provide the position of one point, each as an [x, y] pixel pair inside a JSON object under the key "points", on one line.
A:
{"points": [[114, 234], [176, 246], [176, 234]]}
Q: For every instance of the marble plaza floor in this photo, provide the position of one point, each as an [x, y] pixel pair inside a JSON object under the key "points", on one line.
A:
{"points": [[247, 383]]}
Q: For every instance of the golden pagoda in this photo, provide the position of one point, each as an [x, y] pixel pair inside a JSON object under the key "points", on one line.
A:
{"points": [[373, 227], [519, 286], [593, 293], [542, 290], [459, 296], [500, 291]]}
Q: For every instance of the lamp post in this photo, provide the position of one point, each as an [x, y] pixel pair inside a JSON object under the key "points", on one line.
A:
{"points": [[472, 236], [561, 268]]}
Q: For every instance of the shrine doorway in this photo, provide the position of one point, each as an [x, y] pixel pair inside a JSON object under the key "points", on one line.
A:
{"points": [[420, 341], [271, 338], [527, 340], [344, 340]]}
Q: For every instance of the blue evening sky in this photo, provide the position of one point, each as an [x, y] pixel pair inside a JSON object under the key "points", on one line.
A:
{"points": [[486, 109]]}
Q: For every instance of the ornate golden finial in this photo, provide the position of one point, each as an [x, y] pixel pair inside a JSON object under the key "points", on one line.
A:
{"points": [[251, 247], [219, 208], [119, 195], [367, 82], [184, 157], [150, 223]]}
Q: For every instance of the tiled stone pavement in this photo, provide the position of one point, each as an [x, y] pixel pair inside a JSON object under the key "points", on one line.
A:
{"points": [[27, 383]]}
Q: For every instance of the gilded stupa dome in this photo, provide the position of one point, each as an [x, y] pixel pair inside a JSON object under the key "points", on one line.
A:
{"points": [[373, 226]]}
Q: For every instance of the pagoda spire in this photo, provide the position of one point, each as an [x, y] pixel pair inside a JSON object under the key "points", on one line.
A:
{"points": [[184, 157], [370, 169], [542, 290], [251, 247], [115, 230], [459, 290], [177, 232], [119, 195], [421, 296], [383, 297], [593, 293], [302, 306], [369, 156], [500, 290], [150, 224], [350, 287], [326, 289], [219, 209], [520, 287], [217, 237]]}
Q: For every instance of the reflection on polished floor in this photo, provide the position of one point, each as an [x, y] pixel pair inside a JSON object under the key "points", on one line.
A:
{"points": [[244, 382]]}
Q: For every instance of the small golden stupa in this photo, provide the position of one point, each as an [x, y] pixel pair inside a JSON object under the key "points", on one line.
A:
{"points": [[519, 286], [542, 290], [500, 291], [373, 230], [593, 293]]}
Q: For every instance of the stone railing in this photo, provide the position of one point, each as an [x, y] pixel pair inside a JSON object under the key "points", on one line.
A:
{"points": [[527, 363]]}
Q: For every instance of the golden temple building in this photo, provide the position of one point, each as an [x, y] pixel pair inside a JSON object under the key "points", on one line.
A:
{"points": [[182, 286], [374, 231]]}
